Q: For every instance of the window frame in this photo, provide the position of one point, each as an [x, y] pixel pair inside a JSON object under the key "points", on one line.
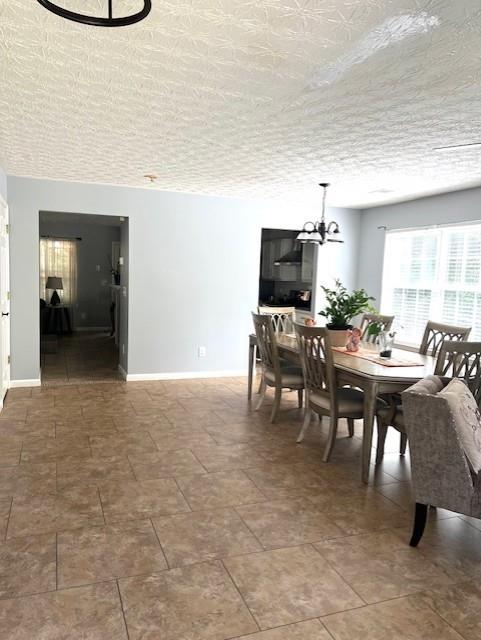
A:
{"points": [[439, 284]]}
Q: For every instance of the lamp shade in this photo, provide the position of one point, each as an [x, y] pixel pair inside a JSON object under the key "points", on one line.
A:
{"points": [[53, 282]]}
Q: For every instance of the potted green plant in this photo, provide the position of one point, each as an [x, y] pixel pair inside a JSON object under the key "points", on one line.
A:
{"points": [[341, 308]]}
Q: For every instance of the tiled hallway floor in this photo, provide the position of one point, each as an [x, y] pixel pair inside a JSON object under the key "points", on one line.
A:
{"points": [[171, 511], [84, 356]]}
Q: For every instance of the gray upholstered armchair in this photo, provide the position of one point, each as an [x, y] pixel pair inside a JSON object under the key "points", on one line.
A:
{"points": [[444, 428]]}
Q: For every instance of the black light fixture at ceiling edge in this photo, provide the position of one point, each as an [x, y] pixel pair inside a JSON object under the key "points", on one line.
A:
{"points": [[96, 21]]}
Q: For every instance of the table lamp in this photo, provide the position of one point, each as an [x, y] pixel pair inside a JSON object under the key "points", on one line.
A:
{"points": [[53, 282]]}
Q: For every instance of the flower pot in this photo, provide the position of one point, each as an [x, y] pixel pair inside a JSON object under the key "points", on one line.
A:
{"points": [[338, 335]]}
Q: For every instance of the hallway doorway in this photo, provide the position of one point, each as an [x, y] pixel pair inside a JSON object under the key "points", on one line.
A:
{"points": [[83, 297]]}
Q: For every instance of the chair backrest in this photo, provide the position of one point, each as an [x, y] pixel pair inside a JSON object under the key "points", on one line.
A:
{"points": [[440, 471], [436, 333], [461, 360], [282, 318], [369, 319], [267, 343], [316, 358]]}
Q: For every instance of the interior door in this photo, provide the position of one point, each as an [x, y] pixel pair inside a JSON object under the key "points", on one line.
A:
{"points": [[4, 302]]}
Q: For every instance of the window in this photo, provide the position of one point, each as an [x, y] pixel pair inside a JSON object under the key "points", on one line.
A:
{"points": [[433, 274], [58, 257]]}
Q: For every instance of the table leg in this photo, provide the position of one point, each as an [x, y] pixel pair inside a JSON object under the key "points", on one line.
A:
{"points": [[370, 401], [66, 313], [252, 356]]}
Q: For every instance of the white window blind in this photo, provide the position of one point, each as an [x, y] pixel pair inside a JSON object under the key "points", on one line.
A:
{"points": [[433, 274]]}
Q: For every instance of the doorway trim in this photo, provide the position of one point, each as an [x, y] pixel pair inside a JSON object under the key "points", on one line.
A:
{"points": [[5, 382]]}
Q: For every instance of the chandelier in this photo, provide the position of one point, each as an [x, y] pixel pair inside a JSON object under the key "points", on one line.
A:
{"points": [[320, 232], [97, 21]]}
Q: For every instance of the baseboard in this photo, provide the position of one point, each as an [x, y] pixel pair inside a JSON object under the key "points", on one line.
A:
{"points": [[185, 375], [122, 372], [34, 382]]}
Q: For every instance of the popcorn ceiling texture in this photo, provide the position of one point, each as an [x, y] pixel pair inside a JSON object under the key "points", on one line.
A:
{"points": [[257, 98]]}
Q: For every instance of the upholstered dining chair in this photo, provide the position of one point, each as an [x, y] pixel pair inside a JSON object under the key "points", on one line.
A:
{"points": [[323, 396], [435, 335], [444, 428], [274, 373], [461, 360], [368, 319], [282, 318]]}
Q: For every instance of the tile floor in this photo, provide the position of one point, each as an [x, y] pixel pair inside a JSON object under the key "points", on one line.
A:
{"points": [[84, 356], [170, 510]]}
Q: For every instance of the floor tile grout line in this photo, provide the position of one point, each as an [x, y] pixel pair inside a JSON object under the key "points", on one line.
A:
{"points": [[256, 622], [234, 508], [56, 561], [8, 519], [101, 505], [122, 609], [160, 544], [182, 494], [339, 574]]}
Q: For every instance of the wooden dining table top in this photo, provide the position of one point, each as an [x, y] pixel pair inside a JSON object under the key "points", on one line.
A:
{"points": [[360, 366]]}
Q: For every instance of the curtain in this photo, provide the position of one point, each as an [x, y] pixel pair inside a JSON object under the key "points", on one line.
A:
{"points": [[58, 257]]}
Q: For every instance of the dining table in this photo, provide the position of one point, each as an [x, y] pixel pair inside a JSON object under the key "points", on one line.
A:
{"points": [[373, 378]]}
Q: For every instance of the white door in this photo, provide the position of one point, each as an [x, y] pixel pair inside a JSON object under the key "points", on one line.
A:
{"points": [[4, 302]]}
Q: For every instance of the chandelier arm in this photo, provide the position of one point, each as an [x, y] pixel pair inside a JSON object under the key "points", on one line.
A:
{"points": [[96, 21], [333, 227]]}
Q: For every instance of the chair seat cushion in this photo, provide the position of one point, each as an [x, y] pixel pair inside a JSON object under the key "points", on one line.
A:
{"points": [[351, 402], [291, 377], [467, 420]]}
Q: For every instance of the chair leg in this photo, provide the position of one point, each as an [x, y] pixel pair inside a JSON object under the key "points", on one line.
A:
{"points": [[300, 397], [277, 403], [259, 390], [331, 439], [381, 440], [350, 426], [305, 425], [404, 441], [262, 391], [420, 517]]}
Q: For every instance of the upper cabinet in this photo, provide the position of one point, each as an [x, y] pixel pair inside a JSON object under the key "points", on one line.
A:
{"points": [[308, 259]]}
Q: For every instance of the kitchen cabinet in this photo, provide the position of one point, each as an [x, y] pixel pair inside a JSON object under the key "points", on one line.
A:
{"points": [[307, 267]]}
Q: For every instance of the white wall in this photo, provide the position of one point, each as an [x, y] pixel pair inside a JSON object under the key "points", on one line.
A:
{"points": [[458, 206], [193, 270]]}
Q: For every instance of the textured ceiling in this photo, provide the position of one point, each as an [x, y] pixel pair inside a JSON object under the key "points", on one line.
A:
{"points": [[247, 98]]}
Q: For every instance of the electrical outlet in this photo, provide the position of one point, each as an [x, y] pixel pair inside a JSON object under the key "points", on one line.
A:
{"points": [[121, 261], [202, 352]]}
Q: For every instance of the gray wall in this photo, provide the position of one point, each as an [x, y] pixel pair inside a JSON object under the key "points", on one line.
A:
{"points": [[3, 184], [458, 206], [93, 290], [193, 270]]}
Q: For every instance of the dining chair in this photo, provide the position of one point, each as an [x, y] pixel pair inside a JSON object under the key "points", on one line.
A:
{"points": [[436, 333], [434, 338], [368, 319], [444, 428], [275, 373], [323, 396], [282, 319], [461, 360]]}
